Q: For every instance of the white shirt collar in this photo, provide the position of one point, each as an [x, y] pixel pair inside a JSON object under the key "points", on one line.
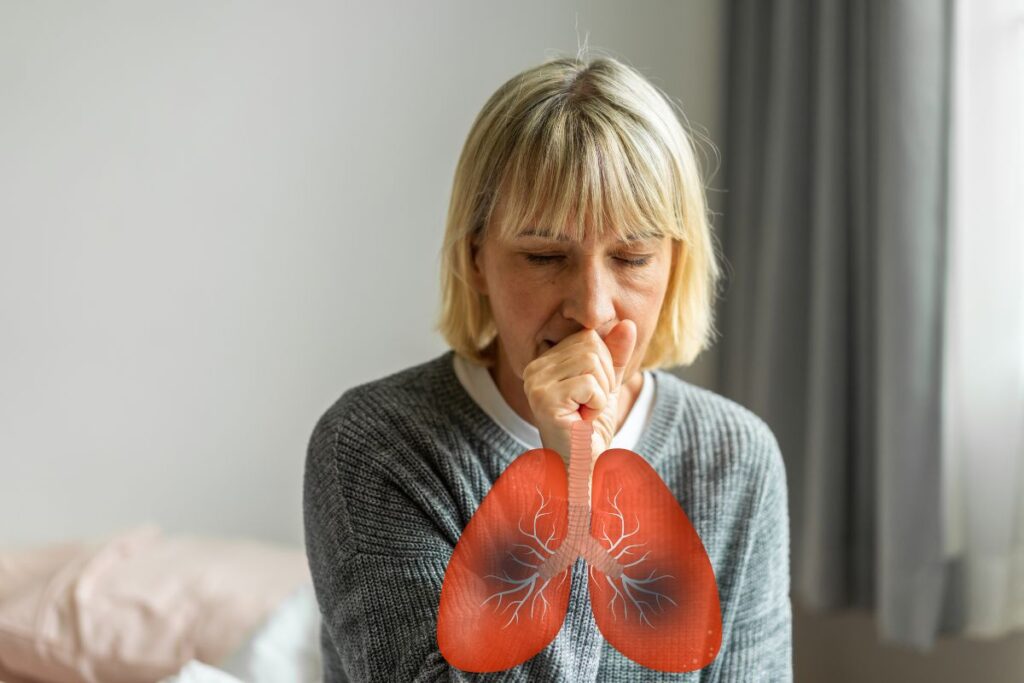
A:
{"points": [[479, 384]]}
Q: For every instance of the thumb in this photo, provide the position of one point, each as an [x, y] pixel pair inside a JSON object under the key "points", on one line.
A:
{"points": [[620, 342]]}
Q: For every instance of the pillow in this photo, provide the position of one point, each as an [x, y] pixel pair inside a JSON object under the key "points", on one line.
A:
{"points": [[20, 567], [139, 605]]}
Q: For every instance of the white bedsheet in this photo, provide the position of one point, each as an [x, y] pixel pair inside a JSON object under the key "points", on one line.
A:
{"points": [[286, 647]]}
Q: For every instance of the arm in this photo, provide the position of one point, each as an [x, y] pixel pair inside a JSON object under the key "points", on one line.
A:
{"points": [[377, 551], [759, 646]]}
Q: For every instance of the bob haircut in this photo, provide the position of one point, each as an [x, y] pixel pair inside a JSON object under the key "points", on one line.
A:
{"points": [[570, 142]]}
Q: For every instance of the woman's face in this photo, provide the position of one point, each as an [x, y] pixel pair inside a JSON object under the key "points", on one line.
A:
{"points": [[541, 290]]}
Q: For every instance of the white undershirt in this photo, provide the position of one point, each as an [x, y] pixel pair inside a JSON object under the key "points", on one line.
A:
{"points": [[480, 386]]}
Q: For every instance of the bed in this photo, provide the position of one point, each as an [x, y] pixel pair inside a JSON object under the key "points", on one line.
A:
{"points": [[142, 605]]}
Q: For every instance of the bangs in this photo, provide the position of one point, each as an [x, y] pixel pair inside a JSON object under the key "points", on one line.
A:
{"points": [[575, 170]]}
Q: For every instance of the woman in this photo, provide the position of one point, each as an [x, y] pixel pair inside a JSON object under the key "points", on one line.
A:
{"points": [[578, 261]]}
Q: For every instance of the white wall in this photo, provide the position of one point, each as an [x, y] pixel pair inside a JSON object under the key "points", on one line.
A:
{"points": [[216, 217]]}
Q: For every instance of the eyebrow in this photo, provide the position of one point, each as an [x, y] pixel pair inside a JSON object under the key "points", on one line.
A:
{"points": [[562, 238]]}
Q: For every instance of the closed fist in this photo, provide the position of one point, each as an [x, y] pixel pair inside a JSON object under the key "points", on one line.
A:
{"points": [[579, 379]]}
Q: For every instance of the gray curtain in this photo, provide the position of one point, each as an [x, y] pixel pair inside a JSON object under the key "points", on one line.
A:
{"points": [[831, 318]]}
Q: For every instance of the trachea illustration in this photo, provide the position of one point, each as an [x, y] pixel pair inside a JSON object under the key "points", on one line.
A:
{"points": [[652, 587]]}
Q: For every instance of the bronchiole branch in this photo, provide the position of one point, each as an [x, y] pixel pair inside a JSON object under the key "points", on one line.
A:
{"points": [[622, 529], [530, 587], [640, 592], [533, 534]]}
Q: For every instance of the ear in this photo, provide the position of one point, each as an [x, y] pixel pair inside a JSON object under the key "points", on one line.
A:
{"points": [[476, 267]]}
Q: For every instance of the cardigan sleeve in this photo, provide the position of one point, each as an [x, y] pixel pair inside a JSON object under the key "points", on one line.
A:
{"points": [[377, 560], [759, 644]]}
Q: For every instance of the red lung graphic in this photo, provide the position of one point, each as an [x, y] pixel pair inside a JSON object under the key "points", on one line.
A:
{"points": [[495, 610], [663, 610], [652, 587]]}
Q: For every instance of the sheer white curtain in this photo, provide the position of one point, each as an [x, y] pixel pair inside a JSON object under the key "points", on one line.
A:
{"points": [[983, 398]]}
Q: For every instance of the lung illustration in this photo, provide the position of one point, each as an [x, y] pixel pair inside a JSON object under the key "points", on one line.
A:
{"points": [[652, 587]]}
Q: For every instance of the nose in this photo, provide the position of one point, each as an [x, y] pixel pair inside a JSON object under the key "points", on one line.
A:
{"points": [[589, 293]]}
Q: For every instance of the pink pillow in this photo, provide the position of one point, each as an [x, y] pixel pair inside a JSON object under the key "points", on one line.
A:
{"points": [[23, 566], [137, 606]]}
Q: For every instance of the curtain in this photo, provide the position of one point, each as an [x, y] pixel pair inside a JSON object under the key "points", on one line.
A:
{"points": [[832, 322], [983, 412]]}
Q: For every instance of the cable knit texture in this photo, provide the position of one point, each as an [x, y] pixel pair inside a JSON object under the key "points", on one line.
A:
{"points": [[396, 468]]}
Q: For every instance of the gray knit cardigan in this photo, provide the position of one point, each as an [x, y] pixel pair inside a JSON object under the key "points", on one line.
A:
{"points": [[396, 467]]}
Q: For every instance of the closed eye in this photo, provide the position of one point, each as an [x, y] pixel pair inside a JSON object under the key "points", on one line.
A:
{"points": [[544, 259], [541, 258]]}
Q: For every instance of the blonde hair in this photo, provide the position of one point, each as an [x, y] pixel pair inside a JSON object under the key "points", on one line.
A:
{"points": [[570, 140]]}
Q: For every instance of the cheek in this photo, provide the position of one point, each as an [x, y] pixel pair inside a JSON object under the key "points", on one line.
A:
{"points": [[645, 311], [648, 299], [519, 303], [646, 290]]}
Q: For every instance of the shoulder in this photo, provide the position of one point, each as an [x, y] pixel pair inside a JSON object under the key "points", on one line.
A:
{"points": [[721, 436], [371, 466], [399, 431]]}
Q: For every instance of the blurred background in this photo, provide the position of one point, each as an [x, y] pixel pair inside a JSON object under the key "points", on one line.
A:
{"points": [[215, 217]]}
